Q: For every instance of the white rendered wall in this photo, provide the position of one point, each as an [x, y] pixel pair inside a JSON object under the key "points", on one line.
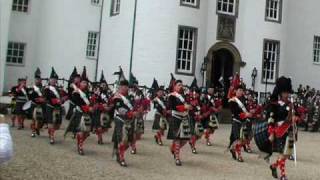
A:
{"points": [[5, 13], [302, 26], [56, 34]]}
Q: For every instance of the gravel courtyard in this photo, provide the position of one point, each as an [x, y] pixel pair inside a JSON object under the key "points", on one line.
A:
{"points": [[36, 159]]}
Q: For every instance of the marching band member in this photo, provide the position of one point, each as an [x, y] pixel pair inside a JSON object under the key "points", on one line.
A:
{"points": [[20, 94], [160, 123], [124, 122], [38, 104], [55, 97], [239, 119], [179, 123], [74, 82]]}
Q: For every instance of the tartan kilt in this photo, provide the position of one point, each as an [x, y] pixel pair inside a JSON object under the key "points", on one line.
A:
{"points": [[196, 127], [38, 113], [284, 145], [101, 120], [123, 130], [18, 108], [53, 115], [139, 125], [236, 131], [159, 123], [175, 128]]}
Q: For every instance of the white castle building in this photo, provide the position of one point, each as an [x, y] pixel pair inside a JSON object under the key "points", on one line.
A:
{"points": [[207, 39]]}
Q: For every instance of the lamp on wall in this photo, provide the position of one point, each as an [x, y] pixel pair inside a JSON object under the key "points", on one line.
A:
{"points": [[204, 69], [254, 75]]}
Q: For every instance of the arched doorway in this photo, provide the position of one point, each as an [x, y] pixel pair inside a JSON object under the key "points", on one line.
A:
{"points": [[224, 60]]}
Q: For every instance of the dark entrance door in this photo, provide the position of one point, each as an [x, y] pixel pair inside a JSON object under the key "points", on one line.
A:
{"points": [[222, 70]]}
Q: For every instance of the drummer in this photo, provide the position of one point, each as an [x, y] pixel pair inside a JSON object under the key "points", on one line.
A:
{"points": [[19, 92]]}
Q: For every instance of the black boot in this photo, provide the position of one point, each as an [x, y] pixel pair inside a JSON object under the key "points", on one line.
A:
{"points": [[274, 172]]}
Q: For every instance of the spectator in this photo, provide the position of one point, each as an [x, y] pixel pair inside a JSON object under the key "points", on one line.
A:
{"points": [[6, 151]]}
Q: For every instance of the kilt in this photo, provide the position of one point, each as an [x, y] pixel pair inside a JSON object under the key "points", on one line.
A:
{"points": [[123, 130], [18, 108], [53, 115], [284, 145], [84, 122], [179, 128], [38, 112], [70, 110], [139, 125], [196, 128], [159, 122], [237, 131]]}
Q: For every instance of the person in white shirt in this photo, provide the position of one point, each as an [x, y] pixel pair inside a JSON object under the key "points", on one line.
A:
{"points": [[6, 150]]}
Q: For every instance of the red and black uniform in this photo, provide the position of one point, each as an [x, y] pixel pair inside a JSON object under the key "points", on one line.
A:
{"points": [[160, 122], [196, 116], [55, 97], [124, 126], [21, 97], [239, 120], [82, 117], [179, 124], [38, 108]]}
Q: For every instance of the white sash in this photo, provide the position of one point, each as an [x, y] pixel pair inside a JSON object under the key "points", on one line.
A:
{"points": [[55, 92], [160, 103], [126, 101], [83, 97], [179, 96], [25, 93], [37, 90], [240, 104]]}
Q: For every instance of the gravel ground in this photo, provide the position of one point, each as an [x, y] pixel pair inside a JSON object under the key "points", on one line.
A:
{"points": [[36, 159]]}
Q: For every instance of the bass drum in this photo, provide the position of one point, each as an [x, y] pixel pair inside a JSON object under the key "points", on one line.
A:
{"points": [[261, 137]]}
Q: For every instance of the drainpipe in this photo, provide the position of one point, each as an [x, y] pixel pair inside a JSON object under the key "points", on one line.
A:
{"points": [[132, 38], [99, 42]]}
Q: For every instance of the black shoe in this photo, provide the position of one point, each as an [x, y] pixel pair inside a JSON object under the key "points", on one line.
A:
{"points": [[274, 172], [33, 135], [194, 151], [51, 141], [233, 154], [209, 143], [133, 151], [240, 159], [123, 163], [100, 142], [80, 151], [178, 162], [283, 178]]}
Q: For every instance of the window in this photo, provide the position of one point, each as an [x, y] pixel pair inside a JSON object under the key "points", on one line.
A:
{"points": [[186, 51], [20, 5], [95, 2], [227, 7], [271, 56], [15, 53], [273, 10], [316, 49], [190, 3], [92, 44], [115, 7]]}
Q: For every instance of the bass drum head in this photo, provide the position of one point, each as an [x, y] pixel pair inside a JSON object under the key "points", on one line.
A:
{"points": [[27, 106]]}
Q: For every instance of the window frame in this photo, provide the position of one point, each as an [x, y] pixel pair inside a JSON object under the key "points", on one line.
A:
{"points": [[112, 12], [236, 9], [197, 6], [96, 45], [23, 57], [276, 70], [191, 72], [316, 50], [17, 11], [269, 19]]}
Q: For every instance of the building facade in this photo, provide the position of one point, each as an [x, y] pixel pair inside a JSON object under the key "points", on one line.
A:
{"points": [[208, 39]]}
